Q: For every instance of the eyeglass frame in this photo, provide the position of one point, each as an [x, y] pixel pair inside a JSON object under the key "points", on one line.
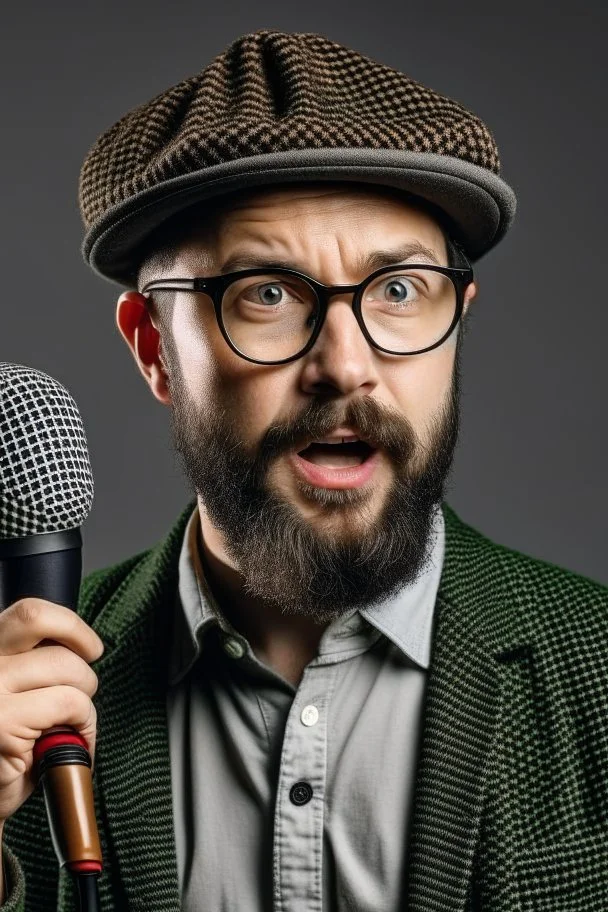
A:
{"points": [[215, 287]]}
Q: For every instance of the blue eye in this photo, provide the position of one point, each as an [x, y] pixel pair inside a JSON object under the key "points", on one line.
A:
{"points": [[270, 294], [398, 290]]}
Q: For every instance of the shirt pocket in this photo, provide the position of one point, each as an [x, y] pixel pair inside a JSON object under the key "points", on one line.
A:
{"points": [[567, 877]]}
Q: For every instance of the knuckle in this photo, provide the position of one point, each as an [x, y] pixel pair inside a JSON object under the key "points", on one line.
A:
{"points": [[28, 610]]}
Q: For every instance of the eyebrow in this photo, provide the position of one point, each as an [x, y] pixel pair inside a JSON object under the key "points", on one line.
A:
{"points": [[364, 263]]}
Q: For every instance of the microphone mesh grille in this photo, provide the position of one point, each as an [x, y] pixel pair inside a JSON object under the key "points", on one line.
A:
{"points": [[46, 482]]}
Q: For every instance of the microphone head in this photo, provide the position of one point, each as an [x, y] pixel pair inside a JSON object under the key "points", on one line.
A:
{"points": [[46, 482]]}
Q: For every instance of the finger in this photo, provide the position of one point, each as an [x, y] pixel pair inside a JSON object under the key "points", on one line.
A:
{"points": [[28, 622], [47, 666], [35, 711]]}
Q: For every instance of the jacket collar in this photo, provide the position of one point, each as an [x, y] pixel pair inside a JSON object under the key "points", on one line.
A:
{"points": [[475, 623]]}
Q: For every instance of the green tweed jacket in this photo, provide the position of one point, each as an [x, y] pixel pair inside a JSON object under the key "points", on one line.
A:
{"points": [[511, 799]]}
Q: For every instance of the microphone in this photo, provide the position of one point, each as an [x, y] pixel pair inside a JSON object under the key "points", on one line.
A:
{"points": [[46, 493]]}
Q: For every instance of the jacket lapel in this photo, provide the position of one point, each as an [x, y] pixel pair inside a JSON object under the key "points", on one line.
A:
{"points": [[474, 625], [132, 764]]}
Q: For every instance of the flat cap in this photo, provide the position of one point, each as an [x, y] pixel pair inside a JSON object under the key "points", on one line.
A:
{"points": [[276, 108]]}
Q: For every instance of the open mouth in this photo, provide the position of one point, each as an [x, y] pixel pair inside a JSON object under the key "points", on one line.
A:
{"points": [[337, 455]]}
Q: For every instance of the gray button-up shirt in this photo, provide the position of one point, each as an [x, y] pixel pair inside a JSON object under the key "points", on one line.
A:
{"points": [[296, 799]]}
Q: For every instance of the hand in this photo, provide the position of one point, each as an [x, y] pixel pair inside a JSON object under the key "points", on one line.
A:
{"points": [[45, 680]]}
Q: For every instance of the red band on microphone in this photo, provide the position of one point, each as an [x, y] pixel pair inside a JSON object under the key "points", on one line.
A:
{"points": [[57, 739]]}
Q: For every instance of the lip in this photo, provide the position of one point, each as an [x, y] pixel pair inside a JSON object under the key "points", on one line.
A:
{"points": [[345, 477], [336, 434]]}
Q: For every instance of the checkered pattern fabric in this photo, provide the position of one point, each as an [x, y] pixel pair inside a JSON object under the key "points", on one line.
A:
{"points": [[271, 93], [46, 483]]}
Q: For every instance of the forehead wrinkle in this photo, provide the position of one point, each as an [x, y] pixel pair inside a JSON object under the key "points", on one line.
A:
{"points": [[363, 263], [250, 237], [252, 247]]}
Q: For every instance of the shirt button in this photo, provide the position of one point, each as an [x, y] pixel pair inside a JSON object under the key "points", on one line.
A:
{"points": [[234, 648], [300, 793], [310, 715]]}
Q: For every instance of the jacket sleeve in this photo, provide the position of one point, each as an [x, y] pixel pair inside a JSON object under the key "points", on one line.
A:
{"points": [[14, 882]]}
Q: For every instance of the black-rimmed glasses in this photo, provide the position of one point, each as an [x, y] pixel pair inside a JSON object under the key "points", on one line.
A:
{"points": [[274, 315]]}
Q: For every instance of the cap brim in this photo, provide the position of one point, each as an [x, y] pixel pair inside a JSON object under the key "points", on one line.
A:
{"points": [[478, 203]]}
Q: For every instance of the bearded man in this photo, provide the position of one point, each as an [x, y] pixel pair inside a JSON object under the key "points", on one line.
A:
{"points": [[323, 690]]}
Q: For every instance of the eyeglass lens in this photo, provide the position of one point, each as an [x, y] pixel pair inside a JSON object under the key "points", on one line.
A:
{"points": [[272, 317]]}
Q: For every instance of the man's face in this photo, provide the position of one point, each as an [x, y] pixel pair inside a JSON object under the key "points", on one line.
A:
{"points": [[315, 546]]}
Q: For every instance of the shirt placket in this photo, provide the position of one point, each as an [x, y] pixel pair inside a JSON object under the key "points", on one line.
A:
{"points": [[300, 799]]}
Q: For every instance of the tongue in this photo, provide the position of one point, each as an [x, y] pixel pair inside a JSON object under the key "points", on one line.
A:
{"points": [[334, 456]]}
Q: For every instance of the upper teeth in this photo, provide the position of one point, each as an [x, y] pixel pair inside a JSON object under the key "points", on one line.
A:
{"points": [[350, 439]]}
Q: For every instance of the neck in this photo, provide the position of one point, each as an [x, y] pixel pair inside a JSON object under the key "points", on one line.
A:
{"points": [[286, 643]]}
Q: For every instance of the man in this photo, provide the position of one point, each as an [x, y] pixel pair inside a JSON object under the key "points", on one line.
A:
{"points": [[323, 690]]}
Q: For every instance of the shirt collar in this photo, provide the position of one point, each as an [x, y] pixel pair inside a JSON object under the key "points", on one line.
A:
{"points": [[406, 618], [196, 607]]}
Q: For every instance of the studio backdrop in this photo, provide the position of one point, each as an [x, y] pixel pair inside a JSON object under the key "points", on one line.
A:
{"points": [[530, 467]]}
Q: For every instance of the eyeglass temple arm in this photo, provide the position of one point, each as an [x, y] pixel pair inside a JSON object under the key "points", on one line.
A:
{"points": [[175, 285]]}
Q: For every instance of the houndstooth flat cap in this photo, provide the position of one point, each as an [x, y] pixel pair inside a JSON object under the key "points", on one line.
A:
{"points": [[276, 108]]}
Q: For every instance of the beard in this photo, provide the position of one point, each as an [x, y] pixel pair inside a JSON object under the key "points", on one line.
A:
{"points": [[282, 557]]}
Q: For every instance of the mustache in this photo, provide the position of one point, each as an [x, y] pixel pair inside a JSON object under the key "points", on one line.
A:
{"points": [[380, 426]]}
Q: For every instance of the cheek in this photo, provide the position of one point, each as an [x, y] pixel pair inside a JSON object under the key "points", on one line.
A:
{"points": [[421, 386], [200, 342], [258, 396], [252, 395], [195, 347]]}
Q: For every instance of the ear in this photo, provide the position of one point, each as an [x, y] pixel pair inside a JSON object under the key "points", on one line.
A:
{"points": [[142, 337], [469, 295]]}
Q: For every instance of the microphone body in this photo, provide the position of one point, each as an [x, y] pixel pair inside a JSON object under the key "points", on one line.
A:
{"points": [[46, 490], [47, 566]]}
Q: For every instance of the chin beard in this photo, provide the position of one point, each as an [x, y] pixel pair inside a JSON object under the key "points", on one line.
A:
{"points": [[283, 559], [355, 557], [322, 575]]}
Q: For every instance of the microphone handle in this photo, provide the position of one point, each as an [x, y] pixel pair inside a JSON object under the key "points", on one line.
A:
{"points": [[49, 566]]}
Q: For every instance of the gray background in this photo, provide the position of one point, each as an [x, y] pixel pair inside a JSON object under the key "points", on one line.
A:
{"points": [[530, 466]]}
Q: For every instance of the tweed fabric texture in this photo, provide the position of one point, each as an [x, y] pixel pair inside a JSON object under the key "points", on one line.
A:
{"points": [[271, 93], [511, 804]]}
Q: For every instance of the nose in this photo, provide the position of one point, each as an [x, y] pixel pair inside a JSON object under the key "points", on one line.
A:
{"points": [[341, 360]]}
